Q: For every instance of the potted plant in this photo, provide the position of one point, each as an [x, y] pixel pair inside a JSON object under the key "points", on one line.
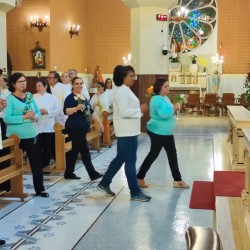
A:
{"points": [[247, 89], [193, 59], [174, 62]]}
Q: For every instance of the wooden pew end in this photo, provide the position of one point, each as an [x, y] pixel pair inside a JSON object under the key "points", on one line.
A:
{"points": [[198, 238]]}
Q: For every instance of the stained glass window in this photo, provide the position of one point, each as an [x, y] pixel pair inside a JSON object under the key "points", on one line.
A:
{"points": [[191, 23]]}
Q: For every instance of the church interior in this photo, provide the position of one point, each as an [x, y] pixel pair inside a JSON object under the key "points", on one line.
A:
{"points": [[200, 47]]}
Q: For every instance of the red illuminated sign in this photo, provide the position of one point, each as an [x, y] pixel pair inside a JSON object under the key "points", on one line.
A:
{"points": [[160, 17]]}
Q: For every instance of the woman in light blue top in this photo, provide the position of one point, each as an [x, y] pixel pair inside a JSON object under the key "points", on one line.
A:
{"points": [[20, 116], [160, 129]]}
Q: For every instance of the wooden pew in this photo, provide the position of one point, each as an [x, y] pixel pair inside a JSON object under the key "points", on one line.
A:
{"points": [[245, 192], [238, 119], [198, 238], [108, 129], [63, 146], [94, 136], [14, 172]]}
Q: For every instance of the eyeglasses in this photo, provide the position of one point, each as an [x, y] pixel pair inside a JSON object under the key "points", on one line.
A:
{"points": [[133, 76], [50, 77], [21, 81]]}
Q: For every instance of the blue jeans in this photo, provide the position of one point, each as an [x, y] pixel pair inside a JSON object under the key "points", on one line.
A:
{"points": [[126, 153]]}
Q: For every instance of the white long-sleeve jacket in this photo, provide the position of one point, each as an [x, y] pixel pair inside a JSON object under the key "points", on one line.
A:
{"points": [[126, 112], [49, 102]]}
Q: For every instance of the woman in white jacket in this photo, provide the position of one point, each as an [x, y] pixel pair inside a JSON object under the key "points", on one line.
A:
{"points": [[49, 108], [127, 114]]}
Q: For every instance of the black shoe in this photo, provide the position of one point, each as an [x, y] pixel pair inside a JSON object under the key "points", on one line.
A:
{"points": [[97, 176], [72, 177], [2, 242], [106, 190], [140, 197], [43, 194]]}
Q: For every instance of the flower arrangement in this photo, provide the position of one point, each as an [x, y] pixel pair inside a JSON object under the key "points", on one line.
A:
{"points": [[80, 100], [174, 59], [28, 102], [193, 58], [179, 98], [150, 91], [247, 86]]}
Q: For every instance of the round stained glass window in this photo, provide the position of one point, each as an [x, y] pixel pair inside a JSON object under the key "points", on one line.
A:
{"points": [[191, 23]]}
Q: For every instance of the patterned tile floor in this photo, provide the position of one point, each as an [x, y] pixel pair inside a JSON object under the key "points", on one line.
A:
{"points": [[77, 216]]}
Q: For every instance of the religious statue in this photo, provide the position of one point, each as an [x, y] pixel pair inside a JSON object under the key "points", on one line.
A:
{"points": [[215, 82], [97, 77], [174, 48]]}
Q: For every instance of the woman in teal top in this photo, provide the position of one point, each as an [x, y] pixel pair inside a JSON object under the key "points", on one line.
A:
{"points": [[160, 129], [20, 116]]}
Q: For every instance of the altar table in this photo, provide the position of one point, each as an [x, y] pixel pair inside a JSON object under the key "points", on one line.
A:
{"points": [[238, 119]]}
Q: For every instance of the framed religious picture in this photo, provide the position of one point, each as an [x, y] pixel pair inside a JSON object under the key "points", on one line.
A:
{"points": [[38, 57]]}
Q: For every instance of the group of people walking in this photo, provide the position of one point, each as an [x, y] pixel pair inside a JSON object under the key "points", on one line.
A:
{"points": [[32, 117], [127, 113]]}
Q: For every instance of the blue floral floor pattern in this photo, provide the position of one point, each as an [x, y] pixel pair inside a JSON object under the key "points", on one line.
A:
{"points": [[78, 216]]}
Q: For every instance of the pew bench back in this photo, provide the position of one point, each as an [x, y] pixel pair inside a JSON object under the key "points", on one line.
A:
{"points": [[14, 171]]}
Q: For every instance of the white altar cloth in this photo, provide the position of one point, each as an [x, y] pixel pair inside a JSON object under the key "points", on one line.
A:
{"points": [[191, 87], [232, 85]]}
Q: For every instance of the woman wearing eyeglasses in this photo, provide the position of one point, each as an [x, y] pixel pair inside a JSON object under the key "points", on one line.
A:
{"points": [[127, 125], [20, 117]]}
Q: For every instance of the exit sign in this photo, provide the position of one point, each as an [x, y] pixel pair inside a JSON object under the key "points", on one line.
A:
{"points": [[160, 17]]}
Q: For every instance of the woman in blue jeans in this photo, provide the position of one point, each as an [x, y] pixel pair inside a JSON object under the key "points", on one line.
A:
{"points": [[127, 114]]}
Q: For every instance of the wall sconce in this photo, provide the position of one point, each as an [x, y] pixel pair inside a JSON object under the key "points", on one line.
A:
{"points": [[74, 30], [38, 22], [217, 59], [127, 60]]}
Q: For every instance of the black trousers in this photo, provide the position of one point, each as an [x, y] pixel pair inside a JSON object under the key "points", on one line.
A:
{"points": [[53, 146], [157, 143], [44, 146], [79, 145], [32, 151], [4, 151]]}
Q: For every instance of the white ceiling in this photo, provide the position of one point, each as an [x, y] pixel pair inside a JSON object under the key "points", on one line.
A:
{"points": [[150, 3]]}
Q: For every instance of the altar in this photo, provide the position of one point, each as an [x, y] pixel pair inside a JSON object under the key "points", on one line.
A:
{"points": [[187, 81], [178, 89], [185, 88]]}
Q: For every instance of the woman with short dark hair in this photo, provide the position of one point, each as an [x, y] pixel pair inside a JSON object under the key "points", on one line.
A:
{"points": [[127, 125], [160, 130]]}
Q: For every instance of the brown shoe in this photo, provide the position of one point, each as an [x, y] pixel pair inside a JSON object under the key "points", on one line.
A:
{"points": [[180, 184], [142, 183]]}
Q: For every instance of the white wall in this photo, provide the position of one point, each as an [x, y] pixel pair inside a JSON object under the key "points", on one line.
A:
{"points": [[147, 40], [3, 41], [5, 6]]}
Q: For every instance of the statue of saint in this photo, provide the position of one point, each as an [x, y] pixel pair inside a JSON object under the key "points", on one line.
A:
{"points": [[215, 82], [174, 48]]}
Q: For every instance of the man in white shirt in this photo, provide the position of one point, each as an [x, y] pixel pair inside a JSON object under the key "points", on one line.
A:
{"points": [[58, 90], [72, 74]]}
